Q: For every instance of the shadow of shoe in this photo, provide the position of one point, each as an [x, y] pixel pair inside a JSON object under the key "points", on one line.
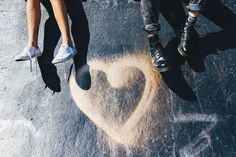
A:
{"points": [[172, 53], [49, 75], [176, 82], [82, 75], [197, 57]]}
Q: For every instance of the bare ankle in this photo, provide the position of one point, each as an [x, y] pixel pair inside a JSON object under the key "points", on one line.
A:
{"points": [[153, 33], [193, 13], [67, 42], [34, 44]]}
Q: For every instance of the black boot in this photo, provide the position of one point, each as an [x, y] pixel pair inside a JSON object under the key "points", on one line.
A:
{"points": [[187, 37], [159, 61]]}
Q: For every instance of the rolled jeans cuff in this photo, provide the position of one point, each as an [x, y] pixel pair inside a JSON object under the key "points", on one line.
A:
{"points": [[152, 27], [194, 7]]}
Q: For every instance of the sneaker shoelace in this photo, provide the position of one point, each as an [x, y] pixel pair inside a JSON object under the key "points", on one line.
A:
{"points": [[31, 61], [64, 49]]}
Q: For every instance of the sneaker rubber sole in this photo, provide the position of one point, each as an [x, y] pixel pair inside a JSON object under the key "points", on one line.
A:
{"points": [[26, 59], [57, 61]]}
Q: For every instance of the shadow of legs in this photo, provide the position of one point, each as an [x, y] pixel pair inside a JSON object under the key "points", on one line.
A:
{"points": [[177, 83], [211, 42], [174, 78], [221, 15], [51, 38], [175, 15]]}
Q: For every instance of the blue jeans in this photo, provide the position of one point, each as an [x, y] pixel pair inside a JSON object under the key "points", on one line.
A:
{"points": [[150, 11], [195, 5]]}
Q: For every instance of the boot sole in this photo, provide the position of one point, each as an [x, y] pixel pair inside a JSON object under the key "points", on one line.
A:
{"points": [[164, 69], [63, 60], [181, 52]]}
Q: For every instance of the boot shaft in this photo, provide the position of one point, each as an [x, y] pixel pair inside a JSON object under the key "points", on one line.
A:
{"points": [[190, 22]]}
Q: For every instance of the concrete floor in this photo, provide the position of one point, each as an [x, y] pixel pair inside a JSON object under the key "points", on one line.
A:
{"points": [[129, 110]]}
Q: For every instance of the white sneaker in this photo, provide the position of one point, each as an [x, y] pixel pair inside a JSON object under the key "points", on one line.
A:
{"points": [[28, 53], [65, 53]]}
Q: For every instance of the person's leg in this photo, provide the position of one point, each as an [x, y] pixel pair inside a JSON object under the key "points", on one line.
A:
{"points": [[50, 39], [79, 29], [66, 51], [150, 15], [60, 13], [51, 34], [174, 14], [194, 8], [33, 21]]}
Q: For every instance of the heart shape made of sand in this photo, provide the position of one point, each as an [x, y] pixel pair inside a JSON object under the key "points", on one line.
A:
{"points": [[119, 73]]}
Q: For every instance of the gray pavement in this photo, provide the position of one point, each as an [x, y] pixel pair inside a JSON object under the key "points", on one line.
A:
{"points": [[130, 110]]}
